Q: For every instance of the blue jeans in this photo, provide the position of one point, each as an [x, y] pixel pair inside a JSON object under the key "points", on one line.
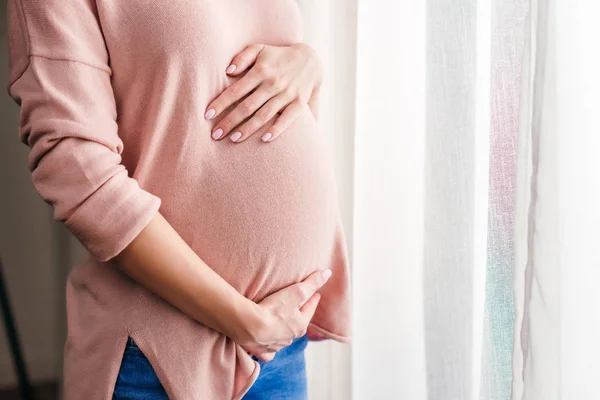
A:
{"points": [[283, 378]]}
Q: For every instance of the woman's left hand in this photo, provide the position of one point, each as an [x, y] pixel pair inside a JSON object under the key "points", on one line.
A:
{"points": [[281, 80]]}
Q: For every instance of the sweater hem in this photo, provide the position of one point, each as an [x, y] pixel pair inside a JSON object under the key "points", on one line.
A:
{"points": [[250, 382], [331, 335]]}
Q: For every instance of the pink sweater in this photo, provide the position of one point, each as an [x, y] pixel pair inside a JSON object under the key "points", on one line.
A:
{"points": [[112, 96]]}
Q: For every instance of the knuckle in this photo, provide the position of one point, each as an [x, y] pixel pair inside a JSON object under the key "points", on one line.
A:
{"points": [[306, 290], [299, 288], [239, 59], [263, 70], [226, 124], [274, 84], [264, 113], [289, 92], [235, 118], [254, 124], [234, 91], [298, 331], [245, 109], [247, 130]]}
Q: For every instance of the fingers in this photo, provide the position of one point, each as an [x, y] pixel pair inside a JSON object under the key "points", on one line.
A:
{"points": [[289, 115], [262, 116], [240, 113], [232, 94], [274, 348], [303, 291], [313, 102], [266, 357], [244, 60], [308, 310]]}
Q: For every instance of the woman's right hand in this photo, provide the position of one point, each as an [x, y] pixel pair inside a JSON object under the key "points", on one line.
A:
{"points": [[283, 316]]}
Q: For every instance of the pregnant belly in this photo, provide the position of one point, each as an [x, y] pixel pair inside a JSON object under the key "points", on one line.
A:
{"points": [[263, 216]]}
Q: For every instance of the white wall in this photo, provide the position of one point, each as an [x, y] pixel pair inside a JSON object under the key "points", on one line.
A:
{"points": [[27, 247]]}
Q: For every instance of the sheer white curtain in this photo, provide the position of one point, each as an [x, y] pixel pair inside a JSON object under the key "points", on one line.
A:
{"points": [[434, 161], [557, 265], [427, 193], [466, 141]]}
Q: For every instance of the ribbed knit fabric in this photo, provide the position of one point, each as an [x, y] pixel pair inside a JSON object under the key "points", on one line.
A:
{"points": [[112, 97]]}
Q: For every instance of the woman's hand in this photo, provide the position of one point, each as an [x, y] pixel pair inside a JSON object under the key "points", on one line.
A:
{"points": [[161, 261], [284, 316], [281, 80]]}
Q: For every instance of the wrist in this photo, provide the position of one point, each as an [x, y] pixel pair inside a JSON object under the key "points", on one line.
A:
{"points": [[249, 319], [312, 58]]}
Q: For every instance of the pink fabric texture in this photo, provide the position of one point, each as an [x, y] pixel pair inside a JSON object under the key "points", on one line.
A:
{"points": [[112, 97]]}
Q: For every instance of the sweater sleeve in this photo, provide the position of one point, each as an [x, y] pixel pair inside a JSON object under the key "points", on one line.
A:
{"points": [[60, 76]]}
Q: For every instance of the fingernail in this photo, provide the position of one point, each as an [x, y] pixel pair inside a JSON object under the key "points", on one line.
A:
{"points": [[326, 274], [230, 69], [266, 137], [235, 137], [217, 134], [210, 113]]}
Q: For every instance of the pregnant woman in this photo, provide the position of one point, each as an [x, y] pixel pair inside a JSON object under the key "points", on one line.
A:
{"points": [[177, 141]]}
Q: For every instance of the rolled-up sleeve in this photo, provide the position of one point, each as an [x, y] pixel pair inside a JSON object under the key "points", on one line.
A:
{"points": [[60, 76]]}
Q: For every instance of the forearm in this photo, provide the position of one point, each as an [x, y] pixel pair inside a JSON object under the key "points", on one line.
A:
{"points": [[161, 261]]}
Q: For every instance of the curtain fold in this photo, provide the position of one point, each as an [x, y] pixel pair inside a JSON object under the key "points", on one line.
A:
{"points": [[508, 19], [557, 228]]}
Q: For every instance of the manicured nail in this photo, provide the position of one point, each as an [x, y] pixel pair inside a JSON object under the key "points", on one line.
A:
{"points": [[266, 137], [236, 136], [230, 69], [210, 113], [326, 274], [217, 134]]}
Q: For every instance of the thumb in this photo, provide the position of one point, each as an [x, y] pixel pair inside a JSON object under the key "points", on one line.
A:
{"points": [[244, 60], [313, 102], [309, 308]]}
